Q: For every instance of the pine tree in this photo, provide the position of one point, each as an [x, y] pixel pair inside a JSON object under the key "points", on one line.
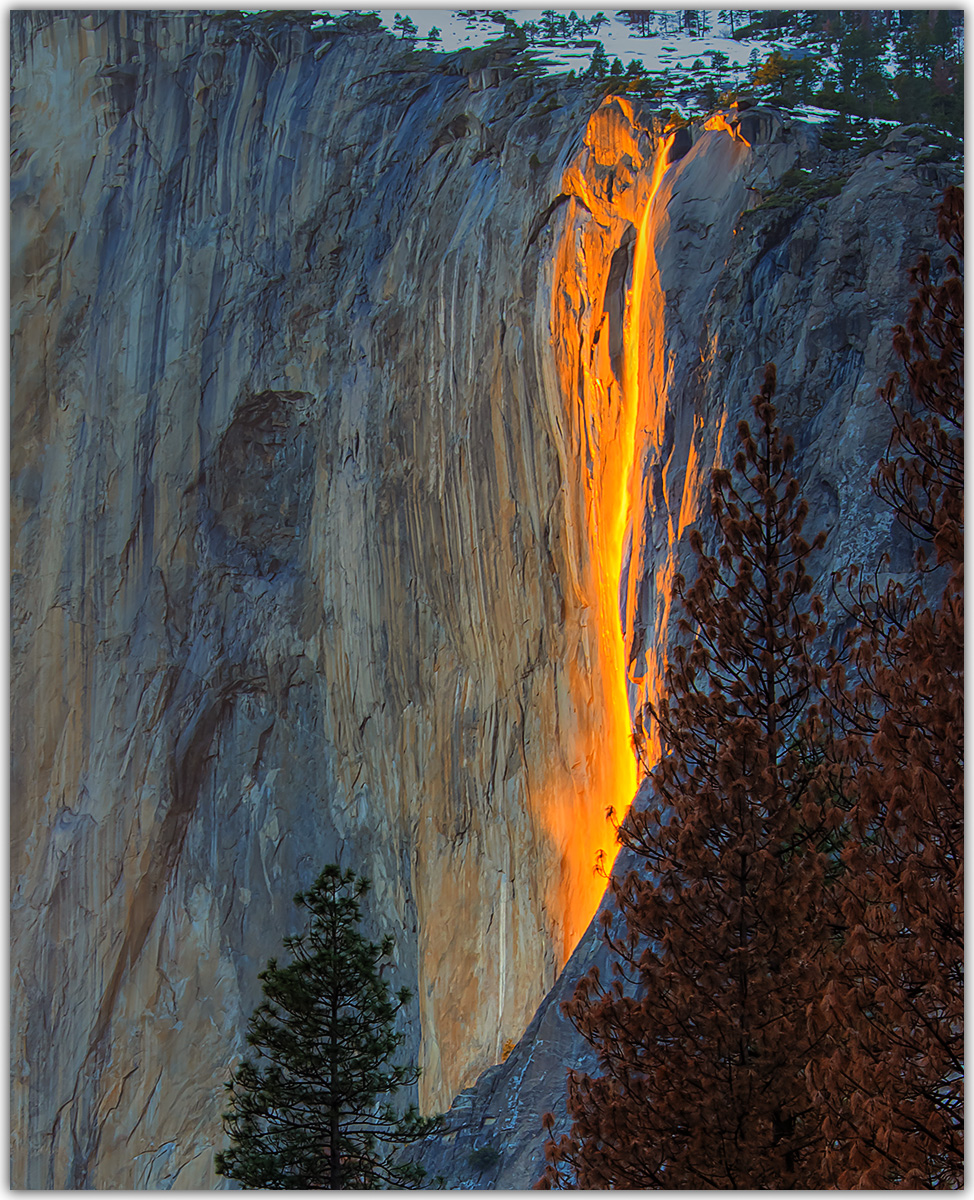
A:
{"points": [[893, 1082], [703, 1035], [549, 23], [728, 16], [405, 26], [308, 1113], [598, 68]]}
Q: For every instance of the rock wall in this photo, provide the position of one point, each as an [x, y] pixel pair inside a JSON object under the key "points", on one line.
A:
{"points": [[300, 560], [331, 369]]}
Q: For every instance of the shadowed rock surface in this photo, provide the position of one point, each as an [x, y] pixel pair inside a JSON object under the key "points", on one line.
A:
{"points": [[319, 353]]}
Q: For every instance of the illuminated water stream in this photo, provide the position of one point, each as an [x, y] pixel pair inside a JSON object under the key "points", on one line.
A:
{"points": [[607, 386]]}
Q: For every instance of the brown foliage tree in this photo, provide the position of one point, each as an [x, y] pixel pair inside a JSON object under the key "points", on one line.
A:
{"points": [[893, 1082], [705, 1031]]}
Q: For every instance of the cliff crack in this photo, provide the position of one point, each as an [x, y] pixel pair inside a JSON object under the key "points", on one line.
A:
{"points": [[543, 218]]}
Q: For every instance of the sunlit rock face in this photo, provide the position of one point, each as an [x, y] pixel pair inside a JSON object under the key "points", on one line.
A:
{"points": [[302, 561], [346, 393]]}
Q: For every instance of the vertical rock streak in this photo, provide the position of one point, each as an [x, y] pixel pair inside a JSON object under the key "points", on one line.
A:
{"points": [[645, 389]]}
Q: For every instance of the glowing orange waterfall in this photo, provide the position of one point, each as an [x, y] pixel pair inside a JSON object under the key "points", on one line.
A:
{"points": [[600, 328]]}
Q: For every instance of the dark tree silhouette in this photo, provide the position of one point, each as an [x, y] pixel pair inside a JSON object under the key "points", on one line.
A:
{"points": [[893, 1082], [598, 68], [705, 1031], [309, 1112]]}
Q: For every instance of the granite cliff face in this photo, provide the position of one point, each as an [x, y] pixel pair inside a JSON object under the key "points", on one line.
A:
{"points": [[330, 373]]}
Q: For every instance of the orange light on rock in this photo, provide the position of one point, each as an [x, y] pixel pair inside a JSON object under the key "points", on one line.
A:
{"points": [[718, 123], [606, 327]]}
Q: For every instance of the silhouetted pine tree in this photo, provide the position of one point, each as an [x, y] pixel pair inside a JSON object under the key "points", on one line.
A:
{"points": [[308, 1113], [893, 1081], [704, 1034], [598, 68]]}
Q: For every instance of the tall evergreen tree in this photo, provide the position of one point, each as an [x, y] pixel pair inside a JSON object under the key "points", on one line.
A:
{"points": [[598, 68], [893, 1082], [729, 15], [641, 19], [787, 79], [405, 26], [309, 1112], [704, 1033]]}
